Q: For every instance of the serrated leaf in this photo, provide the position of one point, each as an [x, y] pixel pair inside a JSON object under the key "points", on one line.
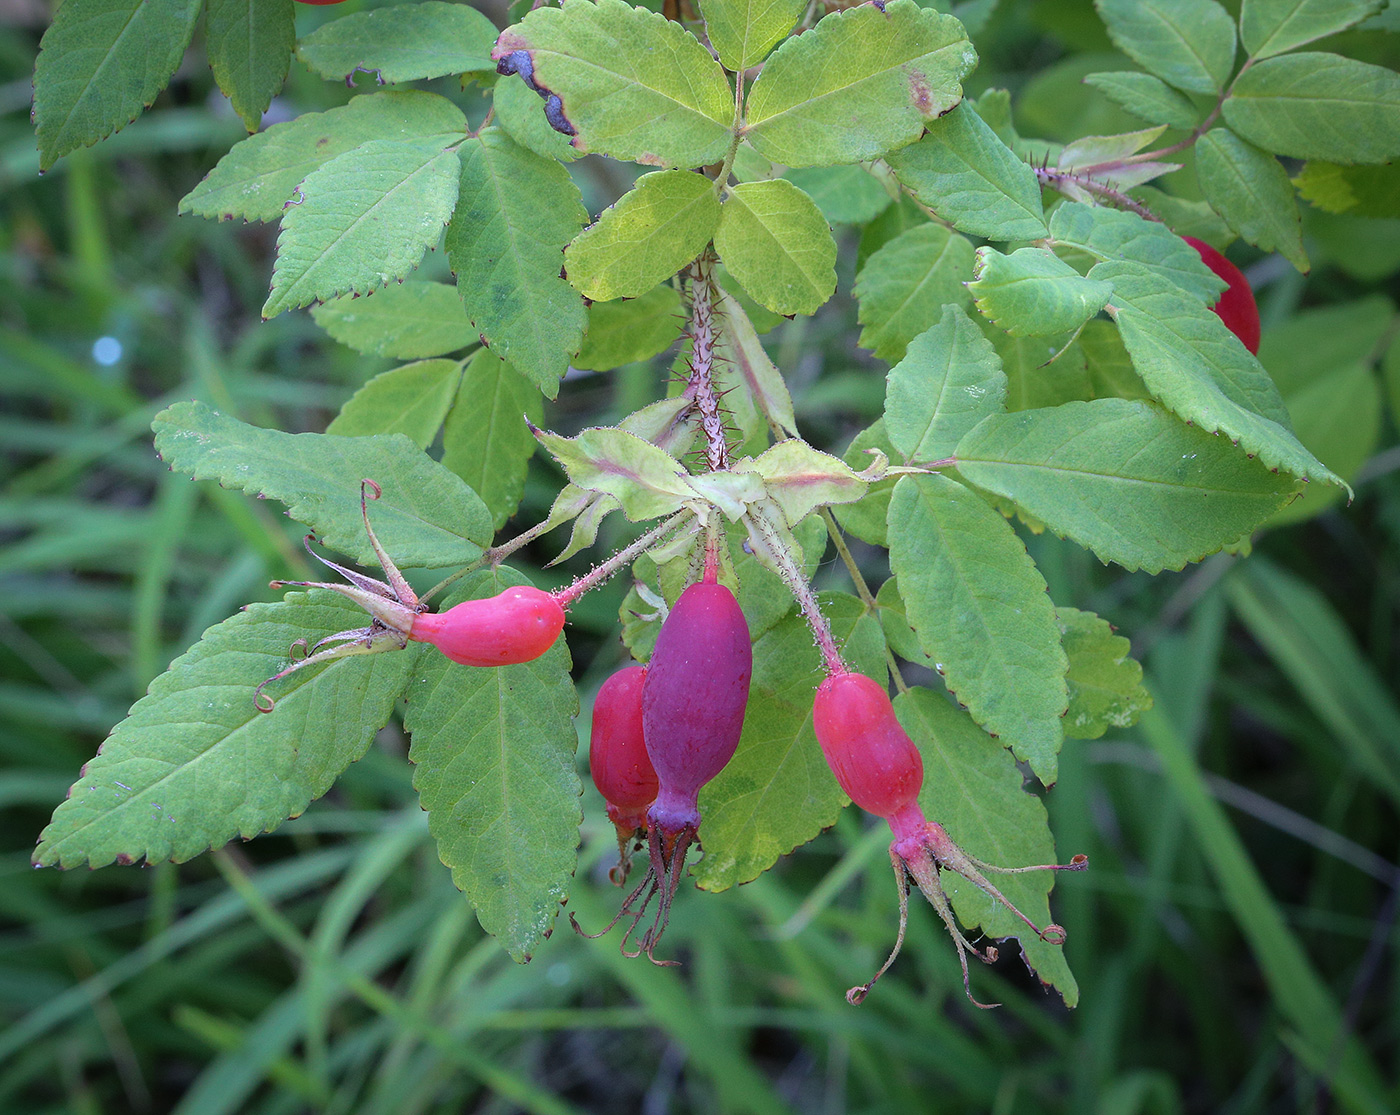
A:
{"points": [[1092, 150], [195, 764], [949, 380], [1199, 370], [412, 400], [625, 332], [405, 321], [776, 793], [895, 624], [100, 63], [1105, 681], [1318, 106], [649, 234], [862, 82], [1032, 292], [969, 177], [743, 361], [776, 243], [1186, 218], [250, 50], [742, 32], [647, 481], [973, 788], [631, 83], [493, 753], [425, 518], [846, 195], [904, 286], [258, 176], [1187, 43], [521, 115], [1269, 27], [1147, 97], [799, 479], [981, 610], [1360, 191], [506, 241], [486, 440], [1041, 371], [1123, 479], [362, 221], [403, 42], [866, 519], [1251, 191], [1107, 234]]}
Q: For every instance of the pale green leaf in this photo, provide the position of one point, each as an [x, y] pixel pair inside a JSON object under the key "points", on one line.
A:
{"points": [[649, 234], [250, 50], [1042, 371], [403, 42], [799, 479], [1124, 479], [506, 241], [862, 82], [412, 400], [1032, 292], [895, 623], [259, 176], [1249, 188], [776, 244], [776, 793], [981, 610], [846, 195], [487, 440], [904, 286], [743, 362], [493, 753], [1093, 150], [1318, 106], [866, 519], [1105, 681], [949, 380], [1107, 363], [1359, 191], [627, 331], [1199, 370], [646, 480], [744, 31], [973, 788], [1269, 27], [1187, 43], [1147, 97], [100, 63], [425, 518], [195, 764], [362, 221], [969, 177], [521, 115], [405, 321], [631, 83]]}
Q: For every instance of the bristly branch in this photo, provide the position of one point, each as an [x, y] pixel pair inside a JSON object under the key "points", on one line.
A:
{"points": [[701, 387]]}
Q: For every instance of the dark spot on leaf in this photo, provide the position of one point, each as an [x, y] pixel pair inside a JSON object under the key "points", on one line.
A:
{"points": [[520, 62], [920, 94]]}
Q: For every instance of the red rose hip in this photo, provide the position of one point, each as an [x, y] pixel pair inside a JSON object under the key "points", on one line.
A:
{"points": [[1236, 307]]}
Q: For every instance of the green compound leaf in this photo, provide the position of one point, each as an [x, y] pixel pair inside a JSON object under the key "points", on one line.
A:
{"points": [[257, 178], [744, 31], [405, 42], [362, 221], [904, 286], [404, 321], [776, 243], [100, 63], [645, 480], [195, 764], [981, 610], [1251, 191], [250, 50], [1269, 27], [506, 241], [1318, 106], [426, 518], [1146, 97], [625, 332], [487, 441], [846, 195], [493, 750], [1108, 234], [1034, 293], [776, 793], [974, 790], [969, 177], [649, 234], [1124, 479], [1042, 371], [631, 83], [1105, 681], [412, 400], [1199, 370], [1361, 191], [1187, 43], [859, 84], [949, 380]]}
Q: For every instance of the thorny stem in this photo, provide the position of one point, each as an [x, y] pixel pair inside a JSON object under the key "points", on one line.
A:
{"points": [[801, 588], [1052, 178], [601, 572], [701, 387]]}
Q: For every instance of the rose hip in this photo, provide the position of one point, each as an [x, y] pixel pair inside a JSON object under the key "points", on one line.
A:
{"points": [[517, 625], [618, 761], [1236, 307]]}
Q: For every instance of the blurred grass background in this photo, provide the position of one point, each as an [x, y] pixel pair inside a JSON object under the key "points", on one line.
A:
{"points": [[1234, 940]]}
